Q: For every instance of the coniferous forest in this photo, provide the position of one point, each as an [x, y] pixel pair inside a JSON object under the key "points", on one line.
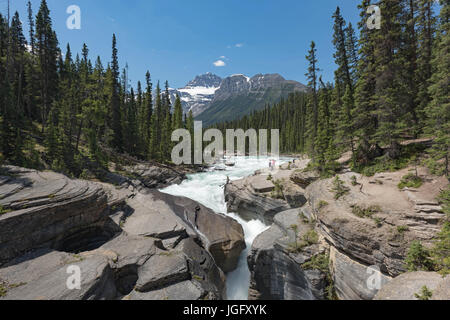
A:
{"points": [[61, 111], [390, 85]]}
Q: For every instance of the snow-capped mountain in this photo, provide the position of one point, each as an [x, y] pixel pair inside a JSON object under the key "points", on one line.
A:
{"points": [[213, 99], [198, 93]]}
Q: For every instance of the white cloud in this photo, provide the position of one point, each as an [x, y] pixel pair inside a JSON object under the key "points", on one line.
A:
{"points": [[222, 57], [239, 45], [219, 63]]}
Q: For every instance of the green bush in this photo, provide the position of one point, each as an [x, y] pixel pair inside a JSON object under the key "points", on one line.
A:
{"points": [[318, 262], [425, 294], [339, 188], [418, 258], [322, 204], [410, 181], [311, 237], [365, 212], [402, 229], [277, 193]]}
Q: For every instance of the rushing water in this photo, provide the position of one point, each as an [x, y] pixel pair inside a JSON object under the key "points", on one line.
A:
{"points": [[208, 189]]}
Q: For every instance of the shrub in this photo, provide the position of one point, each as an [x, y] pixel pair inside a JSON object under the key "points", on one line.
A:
{"points": [[425, 294], [418, 258], [322, 204], [277, 193], [410, 181], [339, 188], [402, 229], [354, 181], [365, 212], [318, 262], [3, 210], [311, 237]]}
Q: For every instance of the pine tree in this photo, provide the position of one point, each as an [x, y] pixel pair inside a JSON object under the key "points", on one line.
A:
{"points": [[148, 111], [439, 108], [426, 30], [364, 118], [312, 82], [155, 139], [178, 114], [391, 90], [47, 52], [116, 124]]}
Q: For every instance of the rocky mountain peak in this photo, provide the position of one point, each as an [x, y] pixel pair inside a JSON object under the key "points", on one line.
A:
{"points": [[208, 80]]}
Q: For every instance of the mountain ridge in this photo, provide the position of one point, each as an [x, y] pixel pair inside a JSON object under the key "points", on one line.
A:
{"points": [[212, 99]]}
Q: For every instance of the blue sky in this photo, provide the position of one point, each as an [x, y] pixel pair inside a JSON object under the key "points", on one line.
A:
{"points": [[179, 39]]}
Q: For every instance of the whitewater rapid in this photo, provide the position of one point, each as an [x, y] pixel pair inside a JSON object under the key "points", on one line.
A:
{"points": [[207, 188]]}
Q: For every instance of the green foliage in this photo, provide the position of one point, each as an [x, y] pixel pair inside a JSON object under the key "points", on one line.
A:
{"points": [[354, 181], [365, 212], [277, 193], [418, 258], [441, 249], [410, 181], [311, 237], [3, 210], [425, 294], [339, 188], [318, 262], [322, 204], [402, 229]]}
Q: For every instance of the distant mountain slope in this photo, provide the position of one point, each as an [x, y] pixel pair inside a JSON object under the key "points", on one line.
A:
{"points": [[198, 93], [239, 95]]}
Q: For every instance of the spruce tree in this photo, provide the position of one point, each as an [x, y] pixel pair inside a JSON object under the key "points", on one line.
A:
{"points": [[439, 108], [116, 124], [312, 82], [47, 54]]}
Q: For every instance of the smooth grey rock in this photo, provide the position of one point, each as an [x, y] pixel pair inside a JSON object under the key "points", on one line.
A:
{"points": [[185, 290], [442, 291], [243, 200], [165, 216], [161, 270], [97, 283], [405, 286], [353, 280], [47, 209]]}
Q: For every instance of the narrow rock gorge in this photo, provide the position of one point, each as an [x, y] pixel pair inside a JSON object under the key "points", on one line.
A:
{"points": [[129, 242], [347, 240]]}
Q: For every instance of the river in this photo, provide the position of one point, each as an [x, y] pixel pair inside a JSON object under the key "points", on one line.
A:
{"points": [[208, 189]]}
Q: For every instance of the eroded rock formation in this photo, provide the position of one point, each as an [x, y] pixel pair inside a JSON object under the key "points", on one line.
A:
{"points": [[127, 243]]}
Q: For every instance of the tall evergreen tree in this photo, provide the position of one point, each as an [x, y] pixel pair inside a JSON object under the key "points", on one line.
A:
{"points": [[312, 82], [47, 53], [439, 108], [116, 124]]}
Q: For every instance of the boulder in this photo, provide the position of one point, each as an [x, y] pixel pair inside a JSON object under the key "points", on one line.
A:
{"points": [[242, 199], [304, 178], [406, 286], [165, 216]]}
